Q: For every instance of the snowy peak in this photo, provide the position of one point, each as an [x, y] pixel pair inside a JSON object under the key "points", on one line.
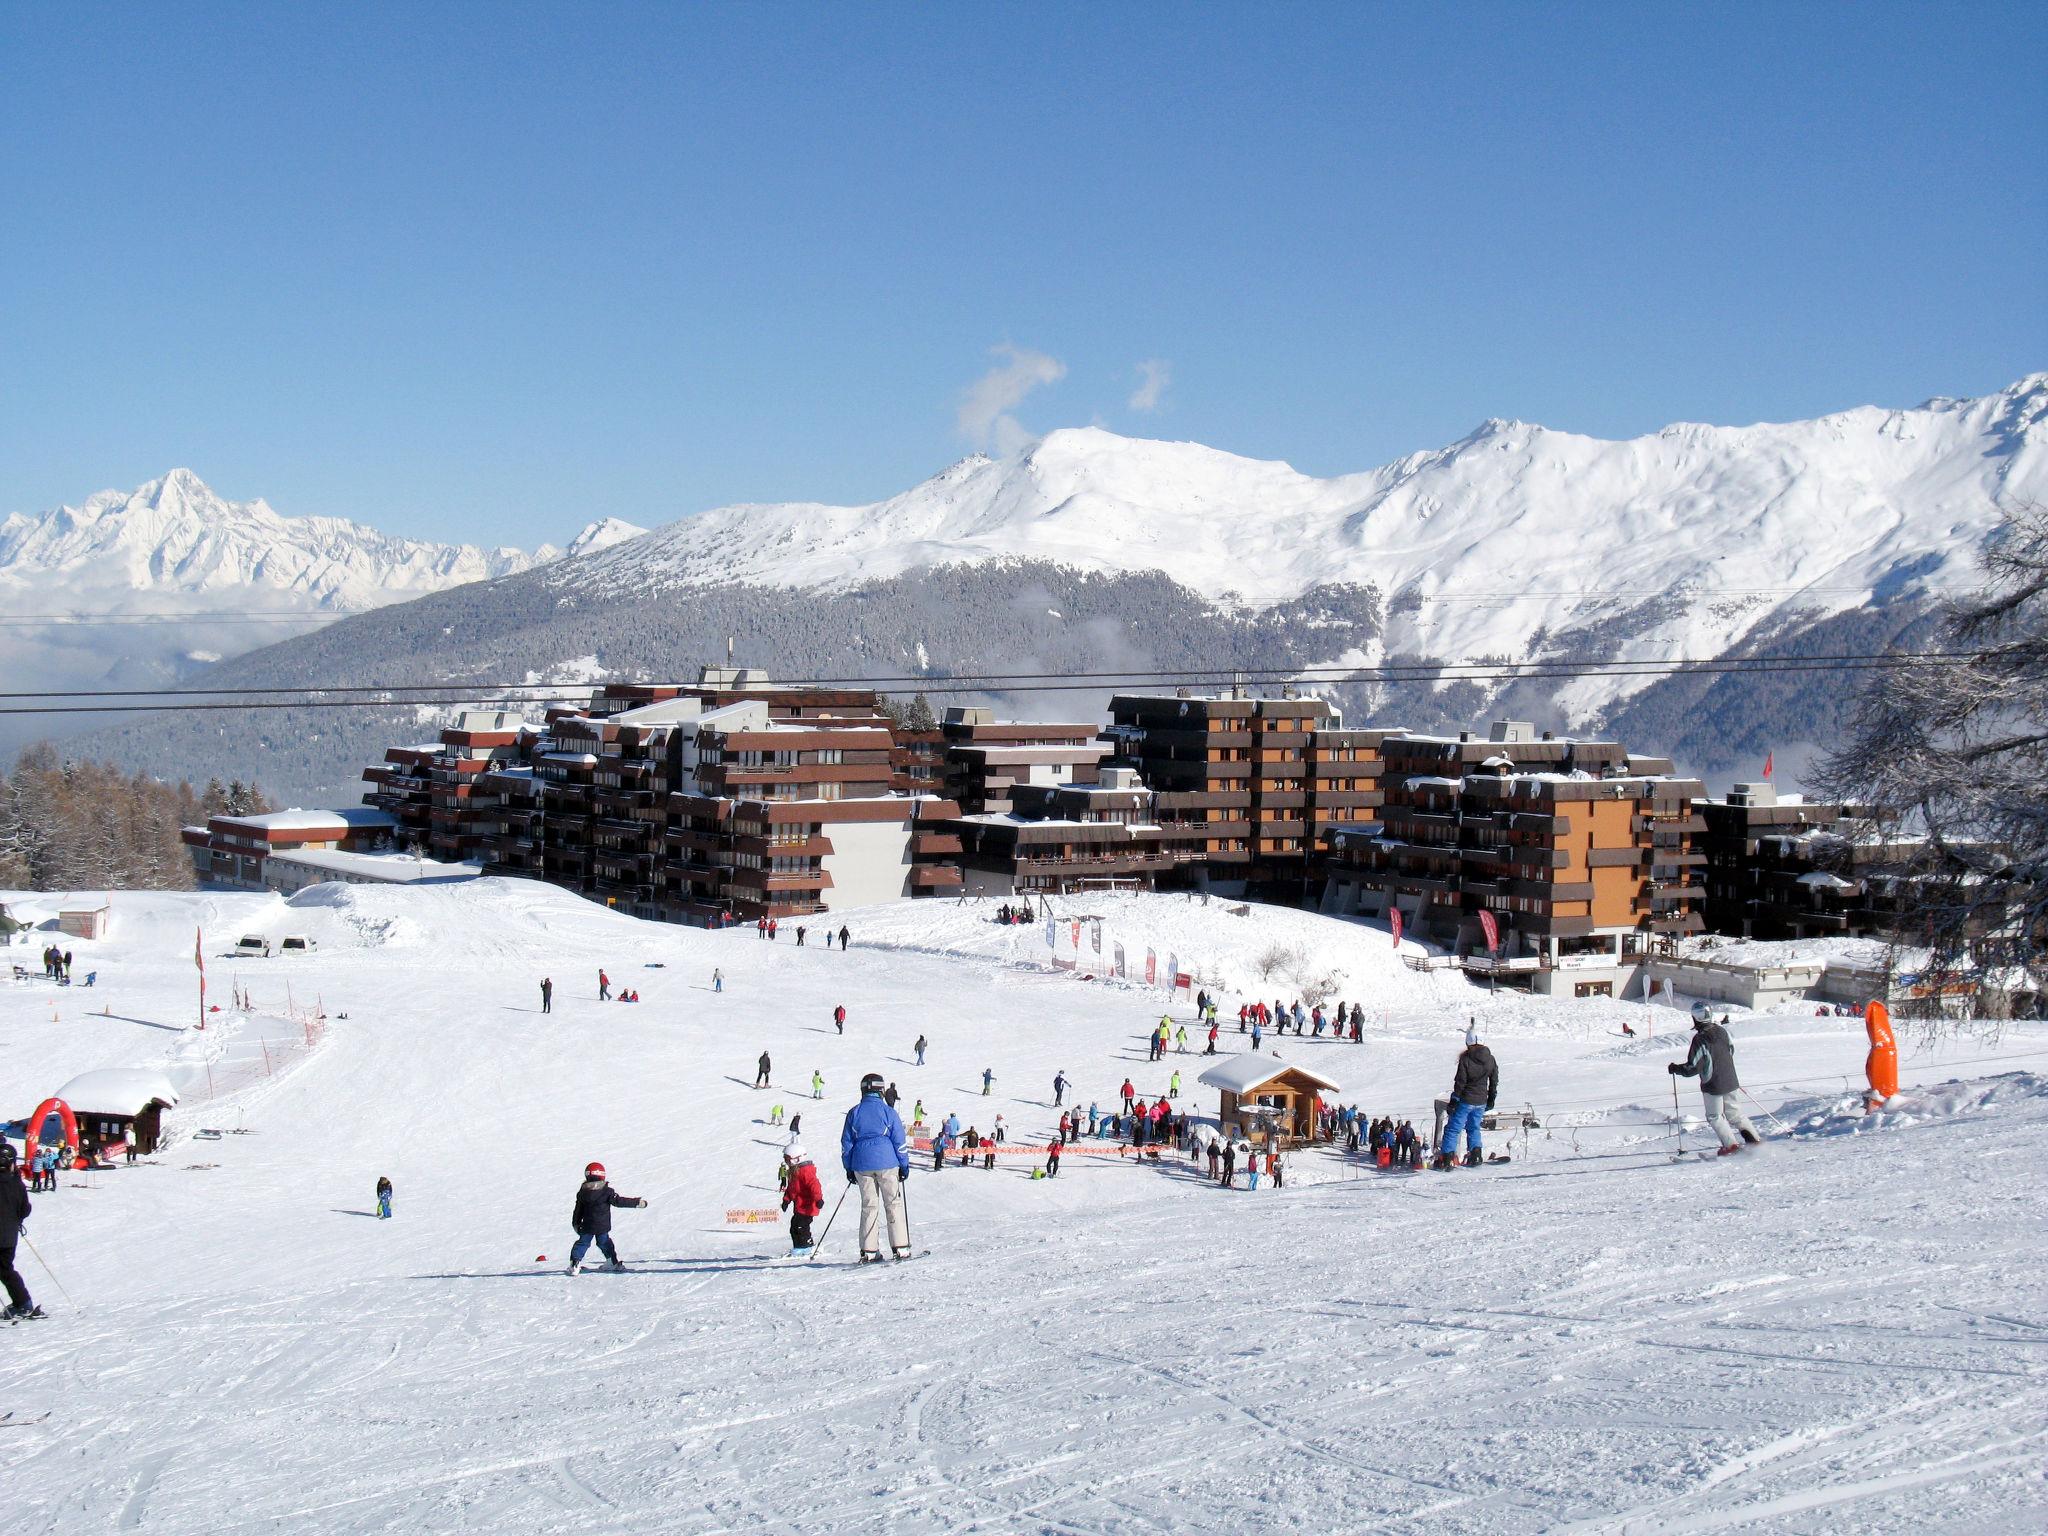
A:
{"points": [[176, 537], [603, 534]]}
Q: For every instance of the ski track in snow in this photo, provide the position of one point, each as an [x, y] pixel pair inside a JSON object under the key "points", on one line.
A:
{"points": [[1845, 1332]]}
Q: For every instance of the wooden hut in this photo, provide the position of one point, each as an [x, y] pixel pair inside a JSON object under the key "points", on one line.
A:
{"points": [[1250, 1080], [106, 1103], [84, 919]]}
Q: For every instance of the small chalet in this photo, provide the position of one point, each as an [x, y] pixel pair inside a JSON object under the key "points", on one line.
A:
{"points": [[107, 1102], [85, 919], [1251, 1080]]}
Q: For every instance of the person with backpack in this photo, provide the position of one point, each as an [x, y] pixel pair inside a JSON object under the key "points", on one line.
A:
{"points": [[592, 1218], [875, 1155], [801, 1191], [1474, 1087], [1712, 1060]]}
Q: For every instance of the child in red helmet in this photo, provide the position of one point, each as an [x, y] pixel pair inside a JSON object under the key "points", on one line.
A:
{"points": [[592, 1218]]}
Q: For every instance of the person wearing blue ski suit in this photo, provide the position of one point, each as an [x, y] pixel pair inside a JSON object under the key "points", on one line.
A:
{"points": [[875, 1154]]}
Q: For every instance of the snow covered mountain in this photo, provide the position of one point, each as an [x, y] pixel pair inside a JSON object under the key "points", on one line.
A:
{"points": [[136, 588], [175, 537], [1088, 551], [1511, 542]]}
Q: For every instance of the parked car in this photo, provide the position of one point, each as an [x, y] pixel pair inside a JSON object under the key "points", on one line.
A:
{"points": [[252, 944], [296, 944]]}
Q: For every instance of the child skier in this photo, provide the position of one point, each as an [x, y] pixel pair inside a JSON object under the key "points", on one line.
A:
{"points": [[817, 1084], [592, 1218], [988, 1078], [802, 1190], [383, 1199]]}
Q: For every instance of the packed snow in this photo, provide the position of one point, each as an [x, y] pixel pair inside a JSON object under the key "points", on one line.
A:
{"points": [[1840, 1331]]}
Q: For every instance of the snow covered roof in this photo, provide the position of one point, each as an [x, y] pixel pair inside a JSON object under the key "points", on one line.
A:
{"points": [[117, 1091], [1248, 1071], [347, 818], [389, 868], [1820, 879]]}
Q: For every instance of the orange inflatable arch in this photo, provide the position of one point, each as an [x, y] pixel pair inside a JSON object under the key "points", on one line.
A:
{"points": [[34, 1134]]}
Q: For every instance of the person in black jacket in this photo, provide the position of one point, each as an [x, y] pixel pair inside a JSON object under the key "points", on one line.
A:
{"points": [[593, 1217], [14, 1209], [1712, 1061], [1474, 1087]]}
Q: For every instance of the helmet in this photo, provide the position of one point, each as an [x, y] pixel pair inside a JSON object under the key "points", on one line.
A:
{"points": [[794, 1152], [872, 1083], [593, 1170], [6, 1153]]}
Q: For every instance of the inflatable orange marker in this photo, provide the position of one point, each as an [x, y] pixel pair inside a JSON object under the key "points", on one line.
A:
{"points": [[1882, 1065]]}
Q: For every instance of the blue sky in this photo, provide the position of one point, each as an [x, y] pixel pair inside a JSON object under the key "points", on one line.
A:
{"points": [[483, 272]]}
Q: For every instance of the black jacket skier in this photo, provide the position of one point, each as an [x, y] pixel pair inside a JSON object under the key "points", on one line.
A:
{"points": [[1477, 1080], [1711, 1059], [594, 1201], [14, 1208]]}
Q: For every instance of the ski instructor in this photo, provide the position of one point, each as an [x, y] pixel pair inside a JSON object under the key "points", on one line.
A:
{"points": [[1712, 1061], [876, 1156], [1474, 1087]]}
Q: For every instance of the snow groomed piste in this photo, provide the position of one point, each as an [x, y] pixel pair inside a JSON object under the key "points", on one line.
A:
{"points": [[1836, 1330]]}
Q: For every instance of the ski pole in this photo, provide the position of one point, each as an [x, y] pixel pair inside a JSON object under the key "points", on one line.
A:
{"points": [[1766, 1114], [905, 1188], [828, 1225], [50, 1272], [1676, 1118]]}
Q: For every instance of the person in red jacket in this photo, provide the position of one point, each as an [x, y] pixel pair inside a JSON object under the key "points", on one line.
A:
{"points": [[1052, 1158], [803, 1191], [1129, 1094]]}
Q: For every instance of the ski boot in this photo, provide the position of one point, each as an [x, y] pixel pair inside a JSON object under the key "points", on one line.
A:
{"points": [[575, 1267], [1752, 1138], [1474, 1158], [900, 1254], [1729, 1151], [1442, 1163], [871, 1258], [617, 1266]]}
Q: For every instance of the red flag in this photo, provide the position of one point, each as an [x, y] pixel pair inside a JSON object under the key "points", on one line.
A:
{"points": [[199, 950], [1491, 928], [1396, 914], [1767, 763]]}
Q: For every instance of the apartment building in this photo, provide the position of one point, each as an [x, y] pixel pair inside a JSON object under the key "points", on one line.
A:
{"points": [[1778, 868], [1067, 837], [1579, 855], [986, 758]]}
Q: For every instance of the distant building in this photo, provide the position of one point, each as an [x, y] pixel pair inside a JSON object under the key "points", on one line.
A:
{"points": [[1578, 854], [1067, 837], [234, 850]]}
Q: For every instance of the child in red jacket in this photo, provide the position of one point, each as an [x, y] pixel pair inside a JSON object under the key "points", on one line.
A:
{"points": [[803, 1191]]}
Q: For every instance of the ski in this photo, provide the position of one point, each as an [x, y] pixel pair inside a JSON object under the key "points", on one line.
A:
{"points": [[10, 1421]]}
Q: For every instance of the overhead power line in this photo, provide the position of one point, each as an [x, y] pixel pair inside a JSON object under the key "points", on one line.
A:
{"points": [[456, 694]]}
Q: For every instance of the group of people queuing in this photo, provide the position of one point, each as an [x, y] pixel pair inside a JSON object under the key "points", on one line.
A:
{"points": [[1010, 913], [57, 965], [1227, 1155], [1258, 1019]]}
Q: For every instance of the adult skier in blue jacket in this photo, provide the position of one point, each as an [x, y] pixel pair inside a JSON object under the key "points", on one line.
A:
{"points": [[876, 1155]]}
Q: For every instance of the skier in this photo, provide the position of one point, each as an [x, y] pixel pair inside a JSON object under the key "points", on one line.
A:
{"points": [[876, 1156], [817, 1084], [1212, 1040], [1180, 1041], [1276, 1169], [383, 1199], [1059, 1089], [1066, 1131], [1405, 1146], [843, 937], [801, 1189], [1229, 1163], [547, 994], [761, 1071], [128, 1144], [1052, 1158], [1173, 1086], [1474, 1087], [988, 1078], [891, 1095], [919, 1048], [604, 986], [916, 1112], [14, 1209], [800, 936], [717, 979], [1712, 1061], [1002, 1130], [839, 1018], [592, 1218]]}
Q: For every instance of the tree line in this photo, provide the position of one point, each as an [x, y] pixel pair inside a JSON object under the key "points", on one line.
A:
{"points": [[93, 826]]}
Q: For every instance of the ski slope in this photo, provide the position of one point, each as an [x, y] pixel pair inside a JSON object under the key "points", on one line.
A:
{"points": [[1843, 1332]]}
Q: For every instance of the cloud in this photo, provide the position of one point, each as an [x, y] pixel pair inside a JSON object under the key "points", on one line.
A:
{"points": [[985, 418], [1154, 374]]}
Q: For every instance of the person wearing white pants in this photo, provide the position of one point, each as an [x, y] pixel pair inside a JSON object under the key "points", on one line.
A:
{"points": [[881, 1194], [1712, 1061], [875, 1153]]}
